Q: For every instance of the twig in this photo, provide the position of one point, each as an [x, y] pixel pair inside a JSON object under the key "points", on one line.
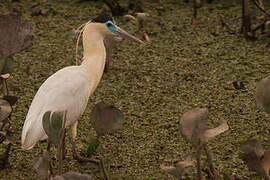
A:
{"points": [[224, 24], [246, 21], [258, 26], [193, 23], [260, 8], [101, 165]]}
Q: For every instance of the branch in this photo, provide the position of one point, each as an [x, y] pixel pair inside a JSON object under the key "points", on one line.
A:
{"points": [[260, 8], [224, 24]]}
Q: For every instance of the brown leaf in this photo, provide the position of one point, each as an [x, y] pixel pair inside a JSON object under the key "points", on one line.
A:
{"points": [[179, 169], [131, 18], [193, 124], [73, 176], [146, 37], [106, 119], [262, 94], [193, 127], [5, 76], [210, 133], [252, 153], [266, 162], [14, 36]]}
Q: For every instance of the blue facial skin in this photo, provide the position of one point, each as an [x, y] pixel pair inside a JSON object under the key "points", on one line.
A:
{"points": [[111, 27]]}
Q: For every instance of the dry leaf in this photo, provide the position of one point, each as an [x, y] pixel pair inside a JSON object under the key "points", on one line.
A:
{"points": [[193, 127], [266, 162], [262, 94], [252, 153], [131, 18], [5, 76], [179, 169], [193, 124], [142, 16], [14, 36], [73, 176], [210, 133], [106, 119]]}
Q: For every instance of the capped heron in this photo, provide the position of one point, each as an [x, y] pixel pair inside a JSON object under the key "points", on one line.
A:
{"points": [[70, 88]]}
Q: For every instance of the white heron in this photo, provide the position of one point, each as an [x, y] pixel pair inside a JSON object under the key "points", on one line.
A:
{"points": [[70, 88]]}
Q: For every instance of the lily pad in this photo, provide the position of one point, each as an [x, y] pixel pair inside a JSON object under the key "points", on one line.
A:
{"points": [[262, 94], [14, 36], [193, 127], [106, 119], [252, 153]]}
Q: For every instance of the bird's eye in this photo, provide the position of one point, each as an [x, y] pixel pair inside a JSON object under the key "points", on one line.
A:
{"points": [[109, 24]]}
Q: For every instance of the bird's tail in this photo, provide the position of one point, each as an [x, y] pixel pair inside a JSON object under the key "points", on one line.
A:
{"points": [[32, 132]]}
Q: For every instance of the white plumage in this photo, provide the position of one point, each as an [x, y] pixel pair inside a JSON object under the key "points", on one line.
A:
{"points": [[68, 89]]}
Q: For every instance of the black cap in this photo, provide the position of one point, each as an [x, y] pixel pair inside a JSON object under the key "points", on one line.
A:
{"points": [[102, 18]]}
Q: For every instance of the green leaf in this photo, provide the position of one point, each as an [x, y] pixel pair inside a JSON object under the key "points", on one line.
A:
{"points": [[5, 109], [92, 147], [106, 119], [54, 125]]}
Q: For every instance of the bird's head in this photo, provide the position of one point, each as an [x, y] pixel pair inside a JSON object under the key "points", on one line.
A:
{"points": [[104, 25]]}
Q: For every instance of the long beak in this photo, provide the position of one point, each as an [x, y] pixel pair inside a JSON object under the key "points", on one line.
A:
{"points": [[126, 35]]}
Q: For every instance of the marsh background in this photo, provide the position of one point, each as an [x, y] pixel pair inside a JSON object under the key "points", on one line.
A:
{"points": [[153, 85]]}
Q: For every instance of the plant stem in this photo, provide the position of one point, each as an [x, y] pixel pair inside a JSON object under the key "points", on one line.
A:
{"points": [[209, 159], [2, 63], [4, 87], [103, 169], [60, 152], [60, 165], [198, 158]]}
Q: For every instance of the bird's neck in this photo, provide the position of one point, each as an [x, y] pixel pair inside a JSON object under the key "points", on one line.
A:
{"points": [[94, 56]]}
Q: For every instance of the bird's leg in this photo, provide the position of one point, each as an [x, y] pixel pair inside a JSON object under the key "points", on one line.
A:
{"points": [[64, 151], [61, 149], [49, 151], [60, 158], [74, 147]]}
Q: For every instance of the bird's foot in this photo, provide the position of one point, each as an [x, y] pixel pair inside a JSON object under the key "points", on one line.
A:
{"points": [[84, 159], [80, 158]]}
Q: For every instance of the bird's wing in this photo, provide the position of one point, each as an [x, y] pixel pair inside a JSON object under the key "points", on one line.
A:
{"points": [[66, 90]]}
